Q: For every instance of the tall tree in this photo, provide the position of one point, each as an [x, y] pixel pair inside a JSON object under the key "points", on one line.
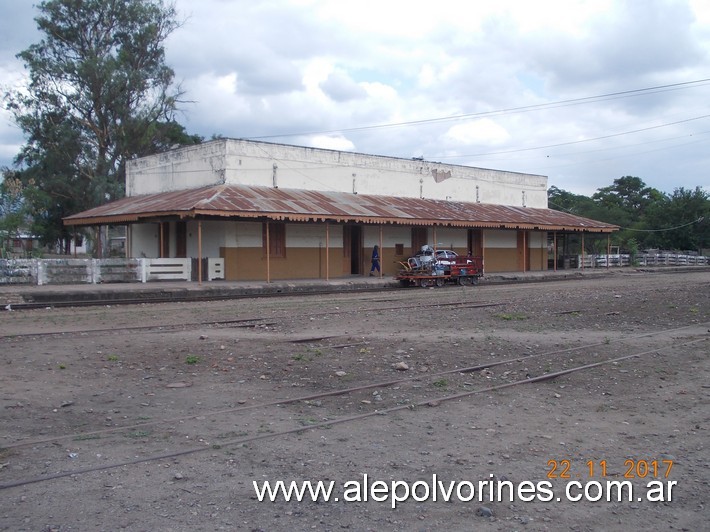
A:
{"points": [[627, 203], [98, 93], [682, 222], [13, 214]]}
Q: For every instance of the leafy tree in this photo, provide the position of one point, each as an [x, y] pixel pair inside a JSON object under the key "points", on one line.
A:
{"points": [[629, 193], [562, 200], [98, 93], [647, 217], [626, 204], [682, 221], [13, 215]]}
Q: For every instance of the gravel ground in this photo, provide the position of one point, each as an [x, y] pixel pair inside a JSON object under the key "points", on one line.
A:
{"points": [[162, 416]]}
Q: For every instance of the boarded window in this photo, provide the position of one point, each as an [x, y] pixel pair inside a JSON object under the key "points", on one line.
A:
{"points": [[419, 238], [277, 239]]}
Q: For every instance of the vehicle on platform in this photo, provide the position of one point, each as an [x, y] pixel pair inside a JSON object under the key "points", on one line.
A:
{"points": [[432, 267]]}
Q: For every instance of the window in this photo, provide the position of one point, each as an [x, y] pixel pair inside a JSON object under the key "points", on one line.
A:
{"points": [[277, 239], [399, 249]]}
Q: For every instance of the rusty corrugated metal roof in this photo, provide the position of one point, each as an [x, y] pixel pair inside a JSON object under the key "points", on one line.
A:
{"points": [[243, 201]]}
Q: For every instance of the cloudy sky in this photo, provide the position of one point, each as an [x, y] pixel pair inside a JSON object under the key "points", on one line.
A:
{"points": [[583, 92]]}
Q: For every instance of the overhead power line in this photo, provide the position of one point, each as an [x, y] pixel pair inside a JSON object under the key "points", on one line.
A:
{"points": [[666, 229], [511, 110], [569, 143]]}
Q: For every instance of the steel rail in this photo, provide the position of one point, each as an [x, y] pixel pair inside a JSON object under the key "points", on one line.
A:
{"points": [[328, 423], [337, 393], [239, 322]]}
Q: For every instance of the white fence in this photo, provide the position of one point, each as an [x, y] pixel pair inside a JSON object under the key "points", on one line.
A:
{"points": [[642, 259], [78, 271]]}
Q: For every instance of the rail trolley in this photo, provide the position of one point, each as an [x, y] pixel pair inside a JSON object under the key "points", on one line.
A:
{"points": [[439, 268]]}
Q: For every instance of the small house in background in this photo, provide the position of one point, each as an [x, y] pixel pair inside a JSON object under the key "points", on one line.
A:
{"points": [[77, 246], [19, 245], [275, 211]]}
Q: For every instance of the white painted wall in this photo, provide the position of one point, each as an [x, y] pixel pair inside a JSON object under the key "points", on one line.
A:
{"points": [[391, 235], [448, 237], [214, 234], [313, 236], [500, 239], [183, 168], [244, 162], [537, 240], [144, 240]]}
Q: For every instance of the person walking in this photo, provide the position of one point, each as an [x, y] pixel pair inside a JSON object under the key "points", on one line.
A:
{"points": [[375, 260]]}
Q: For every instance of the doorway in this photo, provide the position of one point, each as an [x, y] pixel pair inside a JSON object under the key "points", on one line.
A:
{"points": [[352, 248], [181, 240]]}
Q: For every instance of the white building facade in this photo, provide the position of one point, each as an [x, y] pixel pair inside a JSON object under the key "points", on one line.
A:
{"points": [[279, 211]]}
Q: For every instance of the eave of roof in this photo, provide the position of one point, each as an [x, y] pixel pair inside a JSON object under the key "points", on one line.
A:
{"points": [[253, 202]]}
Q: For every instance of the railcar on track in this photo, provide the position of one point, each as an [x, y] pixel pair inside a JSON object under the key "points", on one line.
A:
{"points": [[438, 267]]}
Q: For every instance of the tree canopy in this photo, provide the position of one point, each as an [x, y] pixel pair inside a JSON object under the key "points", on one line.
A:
{"points": [[98, 93], [647, 217]]}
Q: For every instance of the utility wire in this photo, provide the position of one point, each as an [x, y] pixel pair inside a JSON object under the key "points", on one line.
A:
{"points": [[631, 228], [526, 108], [667, 229], [518, 150]]}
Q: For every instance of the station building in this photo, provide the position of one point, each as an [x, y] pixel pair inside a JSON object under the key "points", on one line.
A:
{"points": [[275, 211]]}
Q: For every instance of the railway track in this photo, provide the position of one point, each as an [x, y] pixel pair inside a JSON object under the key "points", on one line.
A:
{"points": [[589, 351], [237, 323]]}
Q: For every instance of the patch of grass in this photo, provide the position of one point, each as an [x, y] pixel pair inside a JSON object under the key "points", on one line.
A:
{"points": [[62, 366], [192, 359], [441, 383], [308, 355], [5, 453], [512, 316], [138, 434], [112, 358], [232, 434], [694, 310]]}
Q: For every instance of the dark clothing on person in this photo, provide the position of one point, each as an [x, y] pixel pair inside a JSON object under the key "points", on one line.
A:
{"points": [[375, 260]]}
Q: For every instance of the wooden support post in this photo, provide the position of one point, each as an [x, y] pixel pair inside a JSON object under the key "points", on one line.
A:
{"points": [[160, 240], [327, 251], [268, 253], [99, 252], [582, 250], [381, 253], [129, 240], [608, 250], [554, 249], [199, 251]]}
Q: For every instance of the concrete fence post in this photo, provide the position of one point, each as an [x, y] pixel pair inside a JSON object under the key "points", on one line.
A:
{"points": [[41, 273]]}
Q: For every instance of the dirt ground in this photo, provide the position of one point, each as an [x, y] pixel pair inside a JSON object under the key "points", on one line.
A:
{"points": [[161, 416]]}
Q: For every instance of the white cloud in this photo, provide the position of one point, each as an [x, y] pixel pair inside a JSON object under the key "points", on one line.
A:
{"points": [[336, 66], [331, 143], [484, 132]]}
